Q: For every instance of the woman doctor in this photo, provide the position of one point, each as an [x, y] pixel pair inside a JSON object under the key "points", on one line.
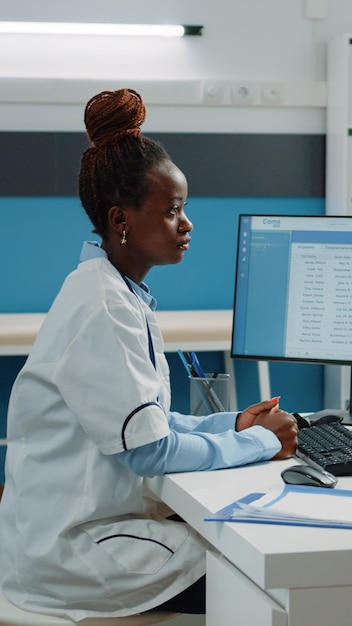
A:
{"points": [[89, 413]]}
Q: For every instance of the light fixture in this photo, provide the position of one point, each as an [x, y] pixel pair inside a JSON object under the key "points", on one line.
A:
{"points": [[76, 28]]}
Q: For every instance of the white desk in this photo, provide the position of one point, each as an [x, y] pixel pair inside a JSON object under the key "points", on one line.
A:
{"points": [[263, 575], [205, 330]]}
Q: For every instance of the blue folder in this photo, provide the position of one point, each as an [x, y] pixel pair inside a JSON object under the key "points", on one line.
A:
{"points": [[335, 506]]}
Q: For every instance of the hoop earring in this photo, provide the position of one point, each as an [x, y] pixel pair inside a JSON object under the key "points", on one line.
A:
{"points": [[123, 238]]}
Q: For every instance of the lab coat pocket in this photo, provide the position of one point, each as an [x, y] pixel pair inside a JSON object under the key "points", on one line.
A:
{"points": [[141, 546]]}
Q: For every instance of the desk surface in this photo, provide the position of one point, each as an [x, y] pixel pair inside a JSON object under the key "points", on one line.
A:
{"points": [[274, 557], [196, 330]]}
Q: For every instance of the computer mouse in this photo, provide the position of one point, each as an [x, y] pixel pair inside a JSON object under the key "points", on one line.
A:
{"points": [[309, 476]]}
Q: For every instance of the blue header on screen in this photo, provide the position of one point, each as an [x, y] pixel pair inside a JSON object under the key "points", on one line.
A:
{"points": [[293, 288]]}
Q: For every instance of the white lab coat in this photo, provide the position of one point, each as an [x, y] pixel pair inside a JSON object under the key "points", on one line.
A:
{"points": [[77, 537]]}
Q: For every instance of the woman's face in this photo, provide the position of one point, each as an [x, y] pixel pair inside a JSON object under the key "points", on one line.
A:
{"points": [[158, 232]]}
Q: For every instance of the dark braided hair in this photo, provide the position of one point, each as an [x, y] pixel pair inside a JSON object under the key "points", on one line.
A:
{"points": [[114, 169]]}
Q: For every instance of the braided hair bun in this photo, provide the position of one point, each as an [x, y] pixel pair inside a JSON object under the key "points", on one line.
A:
{"points": [[113, 114], [115, 167]]}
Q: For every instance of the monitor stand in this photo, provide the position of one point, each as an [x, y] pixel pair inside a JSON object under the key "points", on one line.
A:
{"points": [[344, 414]]}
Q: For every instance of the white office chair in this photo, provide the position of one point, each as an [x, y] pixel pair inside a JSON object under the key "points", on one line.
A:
{"points": [[11, 615]]}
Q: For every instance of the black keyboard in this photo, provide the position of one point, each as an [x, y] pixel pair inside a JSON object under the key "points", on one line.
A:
{"points": [[328, 446]]}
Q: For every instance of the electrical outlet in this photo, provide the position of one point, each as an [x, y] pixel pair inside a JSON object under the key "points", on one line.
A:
{"points": [[243, 93], [316, 9], [273, 94], [213, 92]]}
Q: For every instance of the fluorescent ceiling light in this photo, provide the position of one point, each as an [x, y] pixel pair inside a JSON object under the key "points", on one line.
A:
{"points": [[66, 28]]}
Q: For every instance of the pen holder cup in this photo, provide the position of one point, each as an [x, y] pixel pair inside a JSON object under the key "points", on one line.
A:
{"points": [[209, 394]]}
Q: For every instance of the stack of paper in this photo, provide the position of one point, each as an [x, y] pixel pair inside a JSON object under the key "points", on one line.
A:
{"points": [[291, 504]]}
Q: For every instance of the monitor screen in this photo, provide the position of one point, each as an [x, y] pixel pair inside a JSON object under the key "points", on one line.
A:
{"points": [[293, 289]]}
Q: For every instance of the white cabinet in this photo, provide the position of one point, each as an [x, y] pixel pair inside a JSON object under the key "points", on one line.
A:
{"points": [[233, 599]]}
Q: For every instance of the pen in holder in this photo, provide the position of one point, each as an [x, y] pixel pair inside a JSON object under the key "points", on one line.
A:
{"points": [[209, 394]]}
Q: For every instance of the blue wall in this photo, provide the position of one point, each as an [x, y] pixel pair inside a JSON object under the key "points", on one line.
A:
{"points": [[42, 238]]}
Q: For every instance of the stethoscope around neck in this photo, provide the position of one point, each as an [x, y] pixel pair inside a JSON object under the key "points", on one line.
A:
{"points": [[150, 341]]}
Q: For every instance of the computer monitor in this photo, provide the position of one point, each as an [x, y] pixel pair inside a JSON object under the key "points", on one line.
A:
{"points": [[293, 289]]}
